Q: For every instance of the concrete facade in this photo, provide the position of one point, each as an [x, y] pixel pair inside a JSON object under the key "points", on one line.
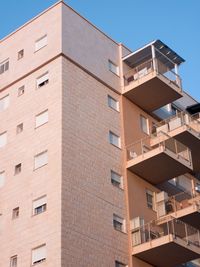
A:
{"points": [[83, 68]]}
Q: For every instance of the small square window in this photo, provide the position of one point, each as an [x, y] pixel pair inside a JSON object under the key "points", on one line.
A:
{"points": [[113, 103], [118, 223], [116, 179], [15, 213], [149, 198], [144, 124], [21, 90], [19, 128], [114, 139], [21, 54], [13, 261], [18, 168]]}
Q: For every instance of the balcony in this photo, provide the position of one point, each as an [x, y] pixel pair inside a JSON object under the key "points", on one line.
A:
{"points": [[166, 245], [151, 77], [184, 206], [156, 164], [185, 129]]}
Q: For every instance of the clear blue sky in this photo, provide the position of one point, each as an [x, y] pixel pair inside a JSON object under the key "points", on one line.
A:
{"points": [[132, 22]]}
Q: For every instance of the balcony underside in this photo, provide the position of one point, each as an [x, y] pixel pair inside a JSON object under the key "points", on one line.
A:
{"points": [[166, 252], [152, 91], [158, 165], [190, 216]]}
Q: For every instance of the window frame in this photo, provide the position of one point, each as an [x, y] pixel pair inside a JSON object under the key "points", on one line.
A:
{"points": [[111, 135], [119, 223], [21, 90], [19, 128], [4, 66], [39, 114], [112, 99], [42, 259], [45, 82], [39, 154], [11, 261], [20, 54], [113, 67], [44, 206], [4, 107], [15, 213], [150, 199], [3, 178], [142, 119], [37, 42], [114, 181], [6, 139], [18, 168]]}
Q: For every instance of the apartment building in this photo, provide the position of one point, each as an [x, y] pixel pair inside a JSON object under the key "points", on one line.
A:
{"points": [[99, 150]]}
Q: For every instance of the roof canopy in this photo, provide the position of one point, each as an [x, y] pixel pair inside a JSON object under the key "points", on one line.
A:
{"points": [[143, 54]]}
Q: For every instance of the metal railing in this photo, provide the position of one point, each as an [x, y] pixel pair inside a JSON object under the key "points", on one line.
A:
{"points": [[176, 121], [178, 202], [177, 228], [149, 66], [165, 142]]}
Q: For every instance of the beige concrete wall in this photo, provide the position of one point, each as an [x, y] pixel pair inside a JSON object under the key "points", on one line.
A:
{"points": [[19, 236], [88, 197], [48, 23], [86, 45]]}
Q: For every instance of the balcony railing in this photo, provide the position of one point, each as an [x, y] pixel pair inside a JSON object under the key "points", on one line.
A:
{"points": [[142, 147], [174, 122], [174, 227], [180, 201], [149, 66]]}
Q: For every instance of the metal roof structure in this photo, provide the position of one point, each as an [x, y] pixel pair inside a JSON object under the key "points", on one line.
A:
{"points": [[143, 54]]}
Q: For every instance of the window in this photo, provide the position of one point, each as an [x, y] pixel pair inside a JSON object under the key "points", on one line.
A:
{"points": [[113, 67], [21, 54], [114, 139], [144, 124], [116, 179], [2, 178], [4, 66], [18, 168], [40, 43], [13, 261], [39, 205], [19, 128], [41, 118], [42, 80], [149, 197], [21, 90], [113, 103], [119, 264], [41, 160], [15, 213], [4, 102], [3, 139], [39, 254], [118, 223]]}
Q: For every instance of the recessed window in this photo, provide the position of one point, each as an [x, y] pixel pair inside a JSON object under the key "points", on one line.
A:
{"points": [[4, 102], [2, 178], [4, 66], [19, 128], [18, 168], [116, 179], [42, 80], [40, 43], [119, 264], [113, 67], [149, 198], [3, 139], [114, 139], [113, 103], [13, 261], [15, 213], [144, 124], [21, 90], [20, 54], [39, 205], [118, 223], [40, 160], [39, 254], [41, 118]]}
